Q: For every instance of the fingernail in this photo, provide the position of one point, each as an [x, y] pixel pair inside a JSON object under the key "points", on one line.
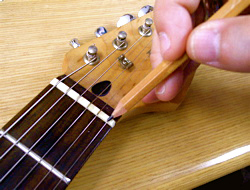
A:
{"points": [[160, 89], [164, 42], [205, 44]]}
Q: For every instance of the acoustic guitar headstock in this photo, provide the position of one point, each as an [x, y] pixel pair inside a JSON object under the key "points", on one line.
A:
{"points": [[116, 61]]}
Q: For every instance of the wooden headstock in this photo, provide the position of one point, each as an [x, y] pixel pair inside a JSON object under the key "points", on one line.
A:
{"points": [[138, 52]]}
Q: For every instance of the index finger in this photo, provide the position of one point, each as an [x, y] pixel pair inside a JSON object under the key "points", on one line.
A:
{"points": [[173, 24]]}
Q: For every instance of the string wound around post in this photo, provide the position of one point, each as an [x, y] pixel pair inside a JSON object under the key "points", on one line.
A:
{"points": [[91, 57], [145, 29]]}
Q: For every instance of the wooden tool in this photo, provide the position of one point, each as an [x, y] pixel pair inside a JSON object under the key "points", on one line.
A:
{"points": [[164, 69]]}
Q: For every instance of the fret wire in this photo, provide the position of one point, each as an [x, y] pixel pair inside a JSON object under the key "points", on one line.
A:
{"points": [[35, 157], [57, 100], [87, 127], [65, 152], [65, 131], [49, 127], [100, 130], [44, 115], [81, 154], [12, 146], [73, 103]]}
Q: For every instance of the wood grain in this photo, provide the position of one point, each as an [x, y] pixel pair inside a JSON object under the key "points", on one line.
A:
{"points": [[109, 68], [165, 150]]}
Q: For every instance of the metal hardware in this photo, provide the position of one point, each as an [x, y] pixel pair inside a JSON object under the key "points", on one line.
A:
{"points": [[100, 31], [145, 10], [125, 63], [74, 43], [125, 19], [91, 57], [120, 42], [145, 29]]}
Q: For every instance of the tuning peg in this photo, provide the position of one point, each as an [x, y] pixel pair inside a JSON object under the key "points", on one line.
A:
{"points": [[74, 43], [144, 10], [145, 29], [125, 19], [120, 42], [100, 31], [91, 57]]}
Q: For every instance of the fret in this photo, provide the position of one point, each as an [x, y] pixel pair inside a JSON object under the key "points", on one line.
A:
{"points": [[58, 146], [21, 169], [15, 154], [35, 157], [37, 174]]}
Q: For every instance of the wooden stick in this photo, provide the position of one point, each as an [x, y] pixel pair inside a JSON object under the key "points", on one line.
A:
{"points": [[164, 69]]}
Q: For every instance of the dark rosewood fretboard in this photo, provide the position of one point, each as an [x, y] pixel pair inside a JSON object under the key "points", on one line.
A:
{"points": [[54, 162]]}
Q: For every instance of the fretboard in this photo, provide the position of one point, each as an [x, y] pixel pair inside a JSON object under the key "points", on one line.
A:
{"points": [[50, 143]]}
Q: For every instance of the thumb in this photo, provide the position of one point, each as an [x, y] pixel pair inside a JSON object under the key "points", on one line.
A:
{"points": [[222, 43]]}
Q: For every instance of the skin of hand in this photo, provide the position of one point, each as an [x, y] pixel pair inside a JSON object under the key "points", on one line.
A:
{"points": [[223, 43]]}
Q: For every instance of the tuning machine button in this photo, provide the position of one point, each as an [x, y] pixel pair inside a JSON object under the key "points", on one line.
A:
{"points": [[100, 31], [125, 19], [145, 29], [74, 43], [144, 10], [91, 57], [120, 42]]}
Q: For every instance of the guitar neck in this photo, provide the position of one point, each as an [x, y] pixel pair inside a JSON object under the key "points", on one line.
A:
{"points": [[47, 143]]}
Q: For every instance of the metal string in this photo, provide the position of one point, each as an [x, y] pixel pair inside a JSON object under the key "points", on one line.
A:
{"points": [[65, 111], [31, 127], [58, 119], [71, 126], [83, 132], [39, 100], [94, 137], [78, 156]]}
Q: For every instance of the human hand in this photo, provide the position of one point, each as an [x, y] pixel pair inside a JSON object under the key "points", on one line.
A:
{"points": [[222, 43]]}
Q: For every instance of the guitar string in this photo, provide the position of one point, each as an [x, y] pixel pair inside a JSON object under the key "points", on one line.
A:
{"points": [[63, 113], [89, 125], [39, 100], [13, 145], [86, 127], [91, 141], [80, 155], [79, 116], [58, 119]]}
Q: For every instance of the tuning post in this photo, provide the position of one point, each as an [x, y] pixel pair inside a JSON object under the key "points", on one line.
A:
{"points": [[120, 42], [145, 29], [125, 63], [91, 57], [74, 43]]}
